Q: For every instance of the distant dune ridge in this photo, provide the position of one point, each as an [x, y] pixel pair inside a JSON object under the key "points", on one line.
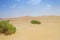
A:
{"points": [[49, 29]]}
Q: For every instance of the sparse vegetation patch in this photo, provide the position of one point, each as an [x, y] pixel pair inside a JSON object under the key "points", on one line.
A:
{"points": [[6, 28], [35, 22]]}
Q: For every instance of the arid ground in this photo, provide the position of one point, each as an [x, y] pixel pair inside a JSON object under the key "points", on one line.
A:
{"points": [[49, 29]]}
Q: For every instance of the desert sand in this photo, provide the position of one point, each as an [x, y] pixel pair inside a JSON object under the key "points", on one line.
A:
{"points": [[49, 29]]}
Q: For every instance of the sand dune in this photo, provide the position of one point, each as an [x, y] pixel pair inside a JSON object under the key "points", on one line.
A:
{"points": [[49, 29]]}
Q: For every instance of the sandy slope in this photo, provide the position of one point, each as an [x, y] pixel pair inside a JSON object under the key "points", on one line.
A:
{"points": [[49, 29]]}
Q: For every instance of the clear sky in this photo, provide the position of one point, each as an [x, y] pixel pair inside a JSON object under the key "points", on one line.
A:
{"points": [[16, 8]]}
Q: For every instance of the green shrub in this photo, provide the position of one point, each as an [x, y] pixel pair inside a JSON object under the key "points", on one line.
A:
{"points": [[6, 28], [35, 22]]}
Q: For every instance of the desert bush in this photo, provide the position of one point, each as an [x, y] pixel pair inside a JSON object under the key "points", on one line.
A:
{"points": [[6, 28], [35, 22]]}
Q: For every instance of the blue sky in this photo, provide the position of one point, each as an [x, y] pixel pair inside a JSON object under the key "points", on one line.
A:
{"points": [[16, 8]]}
